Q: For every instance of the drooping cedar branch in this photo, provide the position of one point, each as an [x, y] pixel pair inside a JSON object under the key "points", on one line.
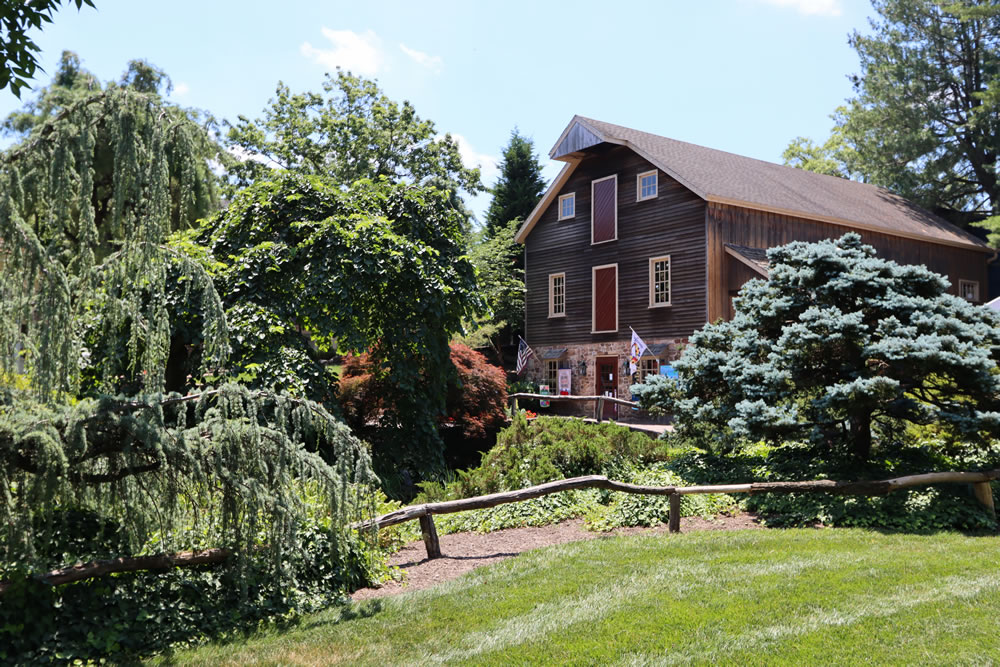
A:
{"points": [[68, 575]]}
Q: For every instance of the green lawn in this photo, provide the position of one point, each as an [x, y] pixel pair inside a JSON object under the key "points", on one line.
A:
{"points": [[747, 597]]}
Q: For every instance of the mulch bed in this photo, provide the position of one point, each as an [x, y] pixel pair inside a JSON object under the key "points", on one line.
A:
{"points": [[463, 552]]}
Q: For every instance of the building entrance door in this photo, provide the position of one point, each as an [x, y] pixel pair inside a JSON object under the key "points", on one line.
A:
{"points": [[607, 384]]}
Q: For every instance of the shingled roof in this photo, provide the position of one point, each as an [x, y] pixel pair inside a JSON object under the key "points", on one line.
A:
{"points": [[718, 176]]}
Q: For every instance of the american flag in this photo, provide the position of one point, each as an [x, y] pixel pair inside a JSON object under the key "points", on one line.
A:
{"points": [[523, 354]]}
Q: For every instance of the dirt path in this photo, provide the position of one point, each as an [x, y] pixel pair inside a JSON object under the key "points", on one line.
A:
{"points": [[463, 552]]}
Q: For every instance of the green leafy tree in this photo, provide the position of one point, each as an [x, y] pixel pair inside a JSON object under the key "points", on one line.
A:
{"points": [[519, 187], [17, 51], [314, 268], [842, 349], [501, 286], [925, 118], [220, 467], [350, 131]]}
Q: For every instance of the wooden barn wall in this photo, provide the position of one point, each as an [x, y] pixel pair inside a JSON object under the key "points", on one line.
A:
{"points": [[759, 229], [672, 224]]}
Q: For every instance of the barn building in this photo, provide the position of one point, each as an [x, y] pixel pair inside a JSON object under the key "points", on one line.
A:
{"points": [[643, 232]]}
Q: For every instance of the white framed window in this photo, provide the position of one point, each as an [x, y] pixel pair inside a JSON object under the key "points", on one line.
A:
{"points": [[646, 185], [604, 209], [567, 206], [557, 295], [648, 366], [552, 375], [969, 289], [659, 281], [604, 298]]}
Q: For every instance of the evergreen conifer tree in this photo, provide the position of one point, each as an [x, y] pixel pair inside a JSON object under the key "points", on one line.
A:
{"points": [[519, 187]]}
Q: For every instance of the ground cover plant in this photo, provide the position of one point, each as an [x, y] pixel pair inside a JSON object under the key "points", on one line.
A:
{"points": [[785, 597]]}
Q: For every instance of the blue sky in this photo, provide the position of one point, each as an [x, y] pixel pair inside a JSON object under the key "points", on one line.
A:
{"points": [[744, 76]]}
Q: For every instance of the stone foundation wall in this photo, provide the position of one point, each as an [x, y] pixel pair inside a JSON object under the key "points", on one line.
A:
{"points": [[581, 360]]}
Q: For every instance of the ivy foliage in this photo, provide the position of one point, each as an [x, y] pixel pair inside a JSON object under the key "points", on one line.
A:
{"points": [[841, 349], [220, 468], [313, 269]]}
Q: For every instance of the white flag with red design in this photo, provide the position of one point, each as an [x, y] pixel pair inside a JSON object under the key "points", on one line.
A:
{"points": [[636, 350]]}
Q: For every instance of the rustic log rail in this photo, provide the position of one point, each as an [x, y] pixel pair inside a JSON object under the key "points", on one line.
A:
{"points": [[980, 482], [598, 405]]}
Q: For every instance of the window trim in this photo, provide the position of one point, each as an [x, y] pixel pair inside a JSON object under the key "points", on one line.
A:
{"points": [[656, 185], [560, 217], [962, 283], [552, 313], [652, 281], [593, 298], [593, 202]]}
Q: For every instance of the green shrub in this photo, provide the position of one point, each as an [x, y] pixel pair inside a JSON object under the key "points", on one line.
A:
{"points": [[629, 509], [551, 448], [125, 616]]}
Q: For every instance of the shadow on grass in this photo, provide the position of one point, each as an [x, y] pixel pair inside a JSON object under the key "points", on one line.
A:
{"points": [[493, 556]]}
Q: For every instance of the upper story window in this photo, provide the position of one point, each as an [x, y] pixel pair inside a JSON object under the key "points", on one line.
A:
{"points": [[557, 295], [646, 186], [604, 209], [567, 206], [659, 281], [969, 289]]}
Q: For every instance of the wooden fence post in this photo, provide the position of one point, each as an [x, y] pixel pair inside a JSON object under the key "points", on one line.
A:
{"points": [[599, 410], [984, 494], [675, 513], [430, 535]]}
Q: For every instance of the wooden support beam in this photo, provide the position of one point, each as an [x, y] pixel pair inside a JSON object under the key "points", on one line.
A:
{"points": [[430, 534], [675, 513]]}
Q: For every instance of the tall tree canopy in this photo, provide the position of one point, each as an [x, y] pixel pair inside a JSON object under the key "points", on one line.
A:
{"points": [[842, 349], [79, 254], [519, 187], [192, 186], [313, 268], [350, 131], [925, 118]]}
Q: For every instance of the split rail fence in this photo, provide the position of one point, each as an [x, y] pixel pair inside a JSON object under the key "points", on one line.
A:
{"points": [[980, 482], [599, 401]]}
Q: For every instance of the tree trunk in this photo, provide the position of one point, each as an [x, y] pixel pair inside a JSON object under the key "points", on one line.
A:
{"points": [[861, 436]]}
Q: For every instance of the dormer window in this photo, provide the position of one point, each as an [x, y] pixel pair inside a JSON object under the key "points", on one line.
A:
{"points": [[646, 185], [567, 206]]}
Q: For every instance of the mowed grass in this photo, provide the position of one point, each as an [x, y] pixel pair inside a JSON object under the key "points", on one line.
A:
{"points": [[745, 597]]}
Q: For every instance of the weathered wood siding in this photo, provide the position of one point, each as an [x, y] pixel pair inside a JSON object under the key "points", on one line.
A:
{"points": [[672, 224], [759, 229]]}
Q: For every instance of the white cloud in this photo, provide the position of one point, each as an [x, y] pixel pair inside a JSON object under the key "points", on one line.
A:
{"points": [[244, 155], [488, 164], [181, 89], [809, 7], [433, 63], [361, 53]]}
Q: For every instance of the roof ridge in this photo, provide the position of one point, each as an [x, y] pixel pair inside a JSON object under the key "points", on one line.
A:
{"points": [[739, 155]]}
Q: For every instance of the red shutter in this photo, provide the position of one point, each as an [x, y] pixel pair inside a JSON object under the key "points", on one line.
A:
{"points": [[606, 299], [604, 210]]}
